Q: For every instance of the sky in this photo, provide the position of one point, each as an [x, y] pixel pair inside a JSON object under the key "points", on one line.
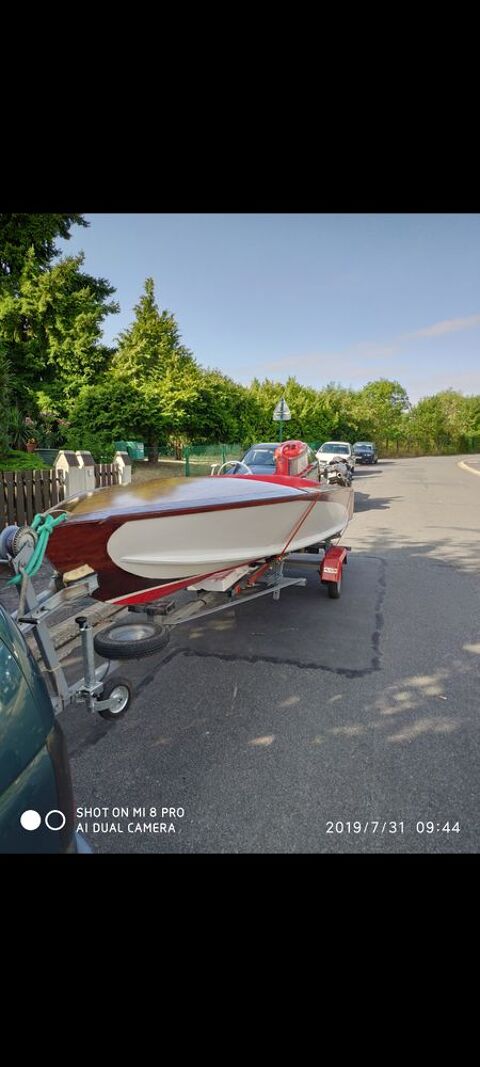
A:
{"points": [[338, 297]]}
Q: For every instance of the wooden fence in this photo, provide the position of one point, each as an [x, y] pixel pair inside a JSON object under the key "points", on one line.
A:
{"points": [[106, 474], [24, 493]]}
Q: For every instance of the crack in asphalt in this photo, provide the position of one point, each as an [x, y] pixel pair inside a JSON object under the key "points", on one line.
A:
{"points": [[231, 657], [379, 616], [344, 672]]}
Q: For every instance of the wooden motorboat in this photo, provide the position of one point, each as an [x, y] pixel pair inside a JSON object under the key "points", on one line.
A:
{"points": [[146, 541]]}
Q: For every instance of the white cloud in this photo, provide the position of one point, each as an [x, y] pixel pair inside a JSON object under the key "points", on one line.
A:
{"points": [[360, 361], [447, 326]]}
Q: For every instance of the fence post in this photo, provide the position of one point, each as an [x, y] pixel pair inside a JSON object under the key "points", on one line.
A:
{"points": [[74, 475], [87, 469], [123, 463], [187, 462]]}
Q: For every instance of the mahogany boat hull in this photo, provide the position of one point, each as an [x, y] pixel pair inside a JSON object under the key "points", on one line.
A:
{"points": [[146, 541]]}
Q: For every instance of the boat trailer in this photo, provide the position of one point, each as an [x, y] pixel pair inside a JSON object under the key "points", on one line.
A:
{"points": [[100, 688], [110, 696]]}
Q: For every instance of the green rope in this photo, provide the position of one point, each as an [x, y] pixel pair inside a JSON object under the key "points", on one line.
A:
{"points": [[43, 524]]}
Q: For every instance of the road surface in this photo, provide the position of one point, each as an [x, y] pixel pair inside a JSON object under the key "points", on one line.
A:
{"points": [[313, 725]]}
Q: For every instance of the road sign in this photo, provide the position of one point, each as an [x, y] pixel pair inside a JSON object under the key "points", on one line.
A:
{"points": [[282, 411], [281, 414]]}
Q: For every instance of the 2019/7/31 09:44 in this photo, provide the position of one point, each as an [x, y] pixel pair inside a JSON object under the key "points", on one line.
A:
{"points": [[374, 826]]}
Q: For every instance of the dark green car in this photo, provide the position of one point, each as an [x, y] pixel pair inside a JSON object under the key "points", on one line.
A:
{"points": [[36, 798]]}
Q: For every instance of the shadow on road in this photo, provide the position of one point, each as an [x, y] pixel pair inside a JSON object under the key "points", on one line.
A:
{"points": [[459, 554], [365, 502], [263, 719]]}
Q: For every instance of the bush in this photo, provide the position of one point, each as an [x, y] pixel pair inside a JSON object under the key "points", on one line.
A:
{"points": [[20, 428], [99, 444], [22, 461]]}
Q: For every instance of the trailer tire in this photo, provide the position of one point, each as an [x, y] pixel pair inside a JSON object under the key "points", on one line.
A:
{"points": [[334, 589], [123, 697], [131, 640]]}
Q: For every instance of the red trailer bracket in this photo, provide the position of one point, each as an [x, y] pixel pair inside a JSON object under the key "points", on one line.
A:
{"points": [[331, 568]]}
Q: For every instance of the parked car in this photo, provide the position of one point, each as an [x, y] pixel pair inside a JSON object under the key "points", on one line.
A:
{"points": [[295, 458], [365, 452], [330, 449], [36, 798]]}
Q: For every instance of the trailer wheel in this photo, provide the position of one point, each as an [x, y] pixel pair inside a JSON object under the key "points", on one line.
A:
{"points": [[120, 690], [335, 588], [131, 640]]}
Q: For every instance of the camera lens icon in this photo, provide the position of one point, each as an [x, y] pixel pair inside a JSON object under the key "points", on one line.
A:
{"points": [[54, 819]]}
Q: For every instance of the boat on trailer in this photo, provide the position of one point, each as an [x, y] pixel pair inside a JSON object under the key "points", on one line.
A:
{"points": [[149, 540]]}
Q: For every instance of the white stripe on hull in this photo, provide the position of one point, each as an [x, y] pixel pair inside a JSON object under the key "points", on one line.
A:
{"points": [[180, 546]]}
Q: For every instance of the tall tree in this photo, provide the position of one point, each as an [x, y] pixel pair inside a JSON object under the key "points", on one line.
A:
{"points": [[19, 232], [52, 329], [151, 344], [151, 355]]}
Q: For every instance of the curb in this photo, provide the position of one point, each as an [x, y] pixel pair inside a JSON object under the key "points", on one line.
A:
{"points": [[465, 467]]}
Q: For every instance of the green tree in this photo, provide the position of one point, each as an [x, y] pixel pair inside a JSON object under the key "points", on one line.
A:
{"points": [[316, 414], [4, 398], [473, 409], [224, 410], [154, 412], [151, 344], [339, 410], [380, 408], [150, 354], [51, 327], [174, 398], [19, 232], [108, 407], [444, 422], [302, 403], [266, 395]]}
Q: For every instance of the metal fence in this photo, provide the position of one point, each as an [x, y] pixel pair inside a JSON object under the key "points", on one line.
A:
{"points": [[200, 458], [24, 493]]}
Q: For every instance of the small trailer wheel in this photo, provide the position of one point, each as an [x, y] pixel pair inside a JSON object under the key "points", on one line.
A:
{"points": [[335, 588], [131, 640], [120, 691]]}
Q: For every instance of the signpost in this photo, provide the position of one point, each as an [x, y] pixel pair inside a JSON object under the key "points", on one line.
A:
{"points": [[282, 414]]}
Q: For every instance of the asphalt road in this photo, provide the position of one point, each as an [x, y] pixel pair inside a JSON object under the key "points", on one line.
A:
{"points": [[312, 725]]}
